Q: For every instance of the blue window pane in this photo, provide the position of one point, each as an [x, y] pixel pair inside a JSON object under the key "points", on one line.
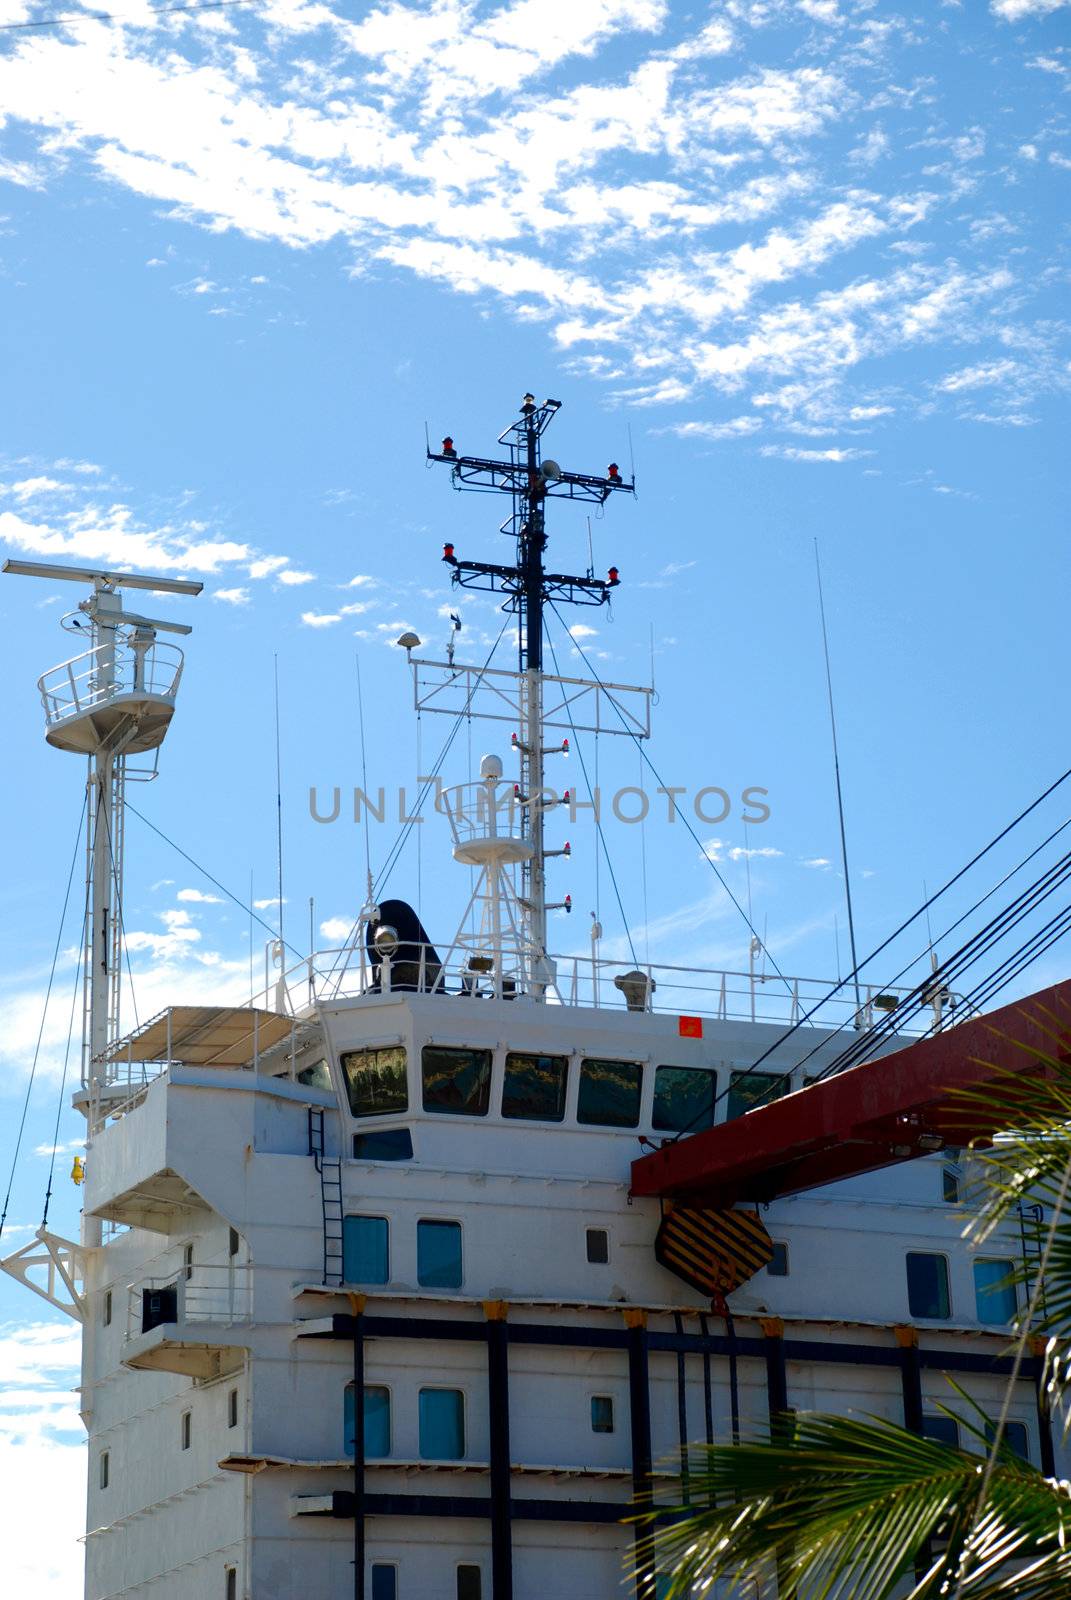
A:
{"points": [[994, 1294], [1014, 1437], [442, 1424], [943, 1429], [609, 1094], [602, 1413], [927, 1285], [376, 1421], [365, 1250], [384, 1144], [469, 1583], [747, 1089], [439, 1255], [684, 1099], [384, 1582]]}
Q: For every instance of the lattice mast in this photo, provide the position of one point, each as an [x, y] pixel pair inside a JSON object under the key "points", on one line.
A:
{"points": [[530, 480], [112, 702]]}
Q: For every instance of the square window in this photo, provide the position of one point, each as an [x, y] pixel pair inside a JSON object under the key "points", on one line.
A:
{"points": [[186, 1429], [376, 1421], [602, 1413], [945, 1430], [995, 1297], [384, 1581], [376, 1080], [439, 1255], [598, 1246], [456, 1082], [684, 1099], [534, 1087], [777, 1266], [106, 1309], [927, 1285], [231, 1584], [609, 1093], [469, 1583], [365, 1250], [105, 1468], [950, 1185], [442, 1424], [232, 1409], [748, 1089], [1015, 1437]]}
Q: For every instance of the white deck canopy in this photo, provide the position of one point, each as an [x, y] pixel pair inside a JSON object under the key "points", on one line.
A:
{"points": [[204, 1036]]}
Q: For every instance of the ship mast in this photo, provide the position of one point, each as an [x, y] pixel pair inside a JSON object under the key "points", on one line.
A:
{"points": [[531, 480]]}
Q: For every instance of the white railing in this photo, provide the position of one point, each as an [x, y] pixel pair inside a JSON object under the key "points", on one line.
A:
{"points": [[720, 994], [106, 672], [214, 1295]]}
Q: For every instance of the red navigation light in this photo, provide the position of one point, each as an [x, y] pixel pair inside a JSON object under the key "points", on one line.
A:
{"points": [[568, 850], [613, 472], [448, 447], [565, 746], [612, 578], [565, 797], [448, 554], [568, 902]]}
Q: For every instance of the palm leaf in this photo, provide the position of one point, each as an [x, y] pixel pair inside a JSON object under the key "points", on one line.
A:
{"points": [[852, 1510]]}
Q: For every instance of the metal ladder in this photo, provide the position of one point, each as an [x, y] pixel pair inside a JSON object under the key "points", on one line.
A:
{"points": [[1031, 1240], [330, 1170]]}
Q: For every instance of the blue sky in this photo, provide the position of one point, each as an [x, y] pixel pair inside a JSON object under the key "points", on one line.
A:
{"points": [[806, 261]]}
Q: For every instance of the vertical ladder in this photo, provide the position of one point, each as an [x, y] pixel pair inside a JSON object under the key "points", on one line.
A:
{"points": [[330, 1170], [1031, 1239]]}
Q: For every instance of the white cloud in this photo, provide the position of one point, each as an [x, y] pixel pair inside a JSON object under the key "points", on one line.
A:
{"points": [[1016, 10], [199, 897], [42, 1459], [266, 905], [232, 597], [733, 428], [789, 452], [292, 577], [362, 580], [28, 488], [337, 929], [818, 863], [320, 619], [981, 376], [580, 630]]}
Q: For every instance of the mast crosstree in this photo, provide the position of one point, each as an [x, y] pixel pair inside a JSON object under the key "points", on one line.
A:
{"points": [[527, 587]]}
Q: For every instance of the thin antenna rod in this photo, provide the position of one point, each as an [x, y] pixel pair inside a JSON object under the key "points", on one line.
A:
{"points": [[278, 801], [836, 773], [364, 776]]}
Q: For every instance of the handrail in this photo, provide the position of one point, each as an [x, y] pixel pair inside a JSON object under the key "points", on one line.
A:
{"points": [[153, 669]]}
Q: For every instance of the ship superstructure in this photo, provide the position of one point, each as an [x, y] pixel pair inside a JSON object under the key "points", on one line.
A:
{"points": [[381, 1294]]}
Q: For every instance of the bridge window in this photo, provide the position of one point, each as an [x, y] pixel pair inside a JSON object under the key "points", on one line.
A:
{"points": [[384, 1581], [609, 1093], [994, 1292], [927, 1285], [442, 1424], [383, 1144], [439, 1255], [316, 1076], [456, 1081], [376, 1421], [602, 1413], [945, 1430], [365, 1249], [469, 1583], [375, 1080], [747, 1089], [534, 1087], [684, 1099]]}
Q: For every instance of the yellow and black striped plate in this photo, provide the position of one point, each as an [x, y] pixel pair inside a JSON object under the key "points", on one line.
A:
{"points": [[714, 1251]]}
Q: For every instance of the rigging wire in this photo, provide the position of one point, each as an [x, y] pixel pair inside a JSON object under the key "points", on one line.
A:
{"points": [[278, 802], [655, 773], [44, 1014], [66, 1065], [598, 818], [836, 774], [135, 18]]}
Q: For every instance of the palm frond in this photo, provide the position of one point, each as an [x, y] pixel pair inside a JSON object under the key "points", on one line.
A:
{"points": [[847, 1509]]}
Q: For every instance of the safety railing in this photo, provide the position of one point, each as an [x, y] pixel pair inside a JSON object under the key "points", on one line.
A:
{"points": [[653, 987], [210, 1295], [90, 680]]}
